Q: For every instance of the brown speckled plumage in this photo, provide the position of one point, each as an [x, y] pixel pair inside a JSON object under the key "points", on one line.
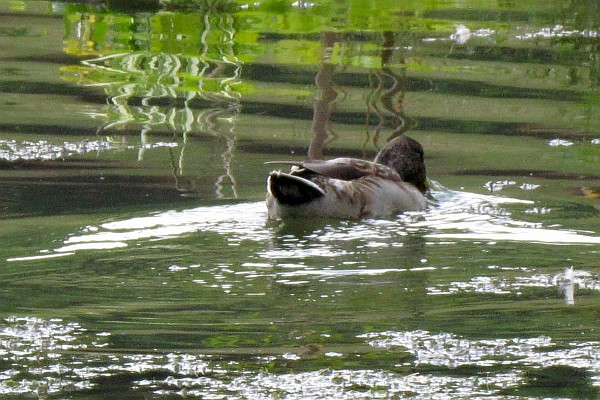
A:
{"points": [[351, 188]]}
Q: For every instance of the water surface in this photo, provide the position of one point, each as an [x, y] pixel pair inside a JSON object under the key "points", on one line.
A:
{"points": [[137, 260]]}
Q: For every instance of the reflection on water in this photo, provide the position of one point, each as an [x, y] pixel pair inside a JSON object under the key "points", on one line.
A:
{"points": [[55, 348], [452, 216], [292, 247], [181, 73], [12, 150], [151, 114], [489, 296], [467, 216], [558, 31], [565, 282], [35, 349], [451, 351], [296, 263], [166, 72]]}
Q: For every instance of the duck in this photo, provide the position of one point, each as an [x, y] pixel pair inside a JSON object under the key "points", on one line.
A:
{"points": [[394, 182]]}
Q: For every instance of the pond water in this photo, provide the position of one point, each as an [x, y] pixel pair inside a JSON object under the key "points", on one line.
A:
{"points": [[137, 260]]}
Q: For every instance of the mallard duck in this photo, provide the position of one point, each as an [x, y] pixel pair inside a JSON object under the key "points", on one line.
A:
{"points": [[351, 188]]}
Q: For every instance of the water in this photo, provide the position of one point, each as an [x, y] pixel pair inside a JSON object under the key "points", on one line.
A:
{"points": [[137, 260]]}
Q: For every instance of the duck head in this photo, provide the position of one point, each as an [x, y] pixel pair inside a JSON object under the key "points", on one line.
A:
{"points": [[405, 155]]}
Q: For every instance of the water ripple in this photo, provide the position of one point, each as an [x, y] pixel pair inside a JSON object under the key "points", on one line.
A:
{"points": [[450, 350], [46, 369], [453, 216]]}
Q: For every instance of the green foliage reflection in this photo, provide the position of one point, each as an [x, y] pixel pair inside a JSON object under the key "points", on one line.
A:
{"points": [[152, 67]]}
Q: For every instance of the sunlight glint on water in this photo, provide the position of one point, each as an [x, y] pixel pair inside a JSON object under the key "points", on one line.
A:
{"points": [[455, 216], [189, 374], [108, 113]]}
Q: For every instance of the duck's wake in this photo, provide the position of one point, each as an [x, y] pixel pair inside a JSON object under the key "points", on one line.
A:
{"points": [[453, 216]]}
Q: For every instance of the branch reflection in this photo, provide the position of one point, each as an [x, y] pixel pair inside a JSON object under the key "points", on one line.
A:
{"points": [[161, 82]]}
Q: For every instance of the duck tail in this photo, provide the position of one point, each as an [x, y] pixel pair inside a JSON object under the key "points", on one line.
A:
{"points": [[292, 190]]}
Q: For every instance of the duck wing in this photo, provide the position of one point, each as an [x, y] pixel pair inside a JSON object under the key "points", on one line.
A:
{"points": [[346, 169]]}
